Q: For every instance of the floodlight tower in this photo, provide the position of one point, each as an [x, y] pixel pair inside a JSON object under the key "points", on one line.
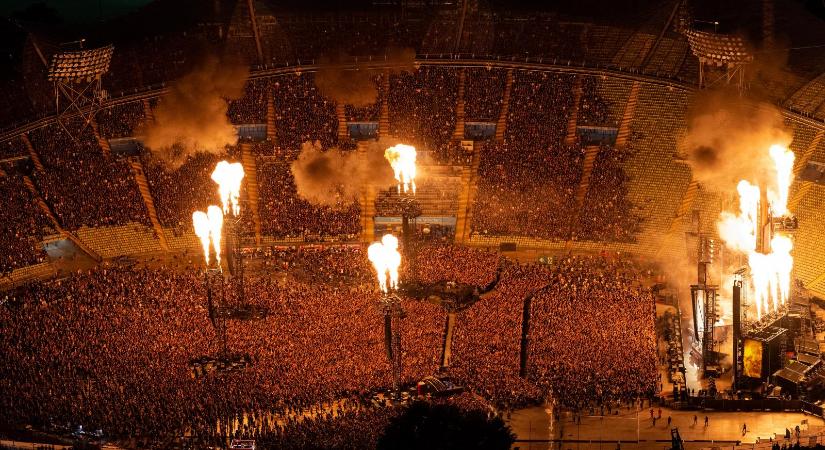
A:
{"points": [[728, 52], [76, 76]]}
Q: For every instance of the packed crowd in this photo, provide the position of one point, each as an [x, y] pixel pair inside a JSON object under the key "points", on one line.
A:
{"points": [[115, 344], [484, 90], [251, 107], [121, 120], [528, 184], [592, 333], [607, 213], [303, 114], [179, 191], [356, 429], [422, 106], [22, 225], [487, 339], [369, 112], [527, 192], [286, 214], [109, 349], [445, 262], [592, 107], [80, 182]]}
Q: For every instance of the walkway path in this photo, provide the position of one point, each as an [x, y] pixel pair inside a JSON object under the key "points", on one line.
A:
{"points": [[534, 425]]}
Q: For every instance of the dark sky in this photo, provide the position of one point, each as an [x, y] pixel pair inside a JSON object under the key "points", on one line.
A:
{"points": [[78, 11]]}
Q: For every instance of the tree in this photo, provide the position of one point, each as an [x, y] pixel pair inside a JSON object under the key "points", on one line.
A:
{"points": [[444, 427]]}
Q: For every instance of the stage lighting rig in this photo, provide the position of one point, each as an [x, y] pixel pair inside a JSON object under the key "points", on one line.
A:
{"points": [[729, 52], [76, 76]]}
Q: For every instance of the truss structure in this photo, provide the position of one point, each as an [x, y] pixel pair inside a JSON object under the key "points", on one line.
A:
{"points": [[77, 83], [729, 53]]}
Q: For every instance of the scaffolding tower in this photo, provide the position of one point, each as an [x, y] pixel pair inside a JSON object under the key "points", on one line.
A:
{"points": [[78, 90]]}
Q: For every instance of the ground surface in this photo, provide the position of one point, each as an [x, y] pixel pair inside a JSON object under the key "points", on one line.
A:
{"points": [[536, 429]]}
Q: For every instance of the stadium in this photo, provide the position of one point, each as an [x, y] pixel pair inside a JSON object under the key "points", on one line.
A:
{"points": [[412, 224]]}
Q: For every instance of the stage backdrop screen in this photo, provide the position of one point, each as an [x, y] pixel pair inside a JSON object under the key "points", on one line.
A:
{"points": [[752, 360]]}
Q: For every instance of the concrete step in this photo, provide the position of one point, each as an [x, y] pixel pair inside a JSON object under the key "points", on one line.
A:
{"points": [[572, 121], [40, 203], [270, 118], [148, 200], [591, 152], [627, 117], [501, 125], [384, 117], [251, 178], [33, 154], [458, 133], [340, 112], [147, 110], [101, 141]]}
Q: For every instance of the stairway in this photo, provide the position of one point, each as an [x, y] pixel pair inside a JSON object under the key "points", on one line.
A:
{"points": [[505, 107], [33, 154], [802, 161], [366, 202], [805, 186], [384, 118], [251, 177], [590, 153], [458, 134], [147, 110], [685, 206], [368, 214], [469, 180], [343, 132], [448, 340], [101, 141], [572, 121], [146, 194], [270, 119], [627, 117], [38, 199]]}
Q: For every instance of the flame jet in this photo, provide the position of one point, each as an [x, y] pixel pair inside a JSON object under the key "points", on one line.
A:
{"points": [[201, 223], [228, 176], [215, 226], [402, 160], [783, 159], [771, 272], [386, 260], [208, 226]]}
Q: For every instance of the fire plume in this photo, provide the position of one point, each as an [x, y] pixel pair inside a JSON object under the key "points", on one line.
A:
{"points": [[228, 176], [215, 226], [208, 227], [783, 159], [386, 260], [201, 223], [770, 272], [402, 160]]}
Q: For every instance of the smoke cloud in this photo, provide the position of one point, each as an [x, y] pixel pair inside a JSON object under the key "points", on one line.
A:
{"points": [[192, 117], [355, 86], [334, 178], [728, 140]]}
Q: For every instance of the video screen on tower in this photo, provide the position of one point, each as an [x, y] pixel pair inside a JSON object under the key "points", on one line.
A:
{"points": [[752, 359]]}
